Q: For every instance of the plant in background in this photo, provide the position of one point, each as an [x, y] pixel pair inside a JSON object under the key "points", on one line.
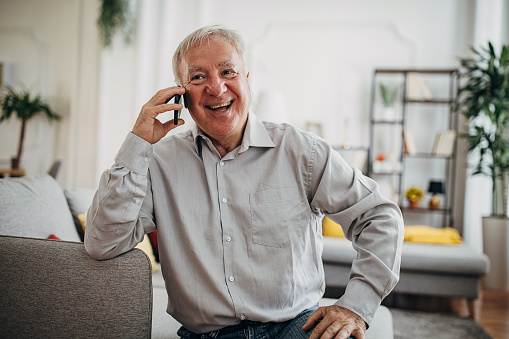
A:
{"points": [[484, 101], [388, 95], [414, 194], [115, 17], [24, 107]]}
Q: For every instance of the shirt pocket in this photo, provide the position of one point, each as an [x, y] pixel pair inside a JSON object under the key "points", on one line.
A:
{"points": [[272, 214]]}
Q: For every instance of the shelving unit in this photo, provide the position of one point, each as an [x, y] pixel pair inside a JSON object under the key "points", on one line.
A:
{"points": [[425, 107]]}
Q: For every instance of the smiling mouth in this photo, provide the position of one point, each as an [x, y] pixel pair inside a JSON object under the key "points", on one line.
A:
{"points": [[222, 107]]}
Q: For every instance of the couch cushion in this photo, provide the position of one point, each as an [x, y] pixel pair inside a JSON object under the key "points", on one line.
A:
{"points": [[35, 206], [443, 258], [79, 200], [416, 257]]}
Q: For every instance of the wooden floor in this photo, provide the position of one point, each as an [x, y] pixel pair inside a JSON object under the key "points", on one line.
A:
{"points": [[492, 312]]}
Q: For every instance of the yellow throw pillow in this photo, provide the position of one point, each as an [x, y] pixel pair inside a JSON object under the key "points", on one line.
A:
{"points": [[145, 245], [418, 233], [82, 218], [432, 235], [331, 229]]}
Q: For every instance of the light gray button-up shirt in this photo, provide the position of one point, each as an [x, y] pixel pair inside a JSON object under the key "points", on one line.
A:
{"points": [[240, 236]]}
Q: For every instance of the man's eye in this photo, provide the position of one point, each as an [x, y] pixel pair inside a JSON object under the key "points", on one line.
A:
{"points": [[228, 73], [197, 79]]}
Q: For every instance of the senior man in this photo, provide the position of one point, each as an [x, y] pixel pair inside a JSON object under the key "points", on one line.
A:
{"points": [[238, 205]]}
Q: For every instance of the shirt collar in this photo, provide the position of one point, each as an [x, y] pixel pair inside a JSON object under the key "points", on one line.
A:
{"points": [[255, 135]]}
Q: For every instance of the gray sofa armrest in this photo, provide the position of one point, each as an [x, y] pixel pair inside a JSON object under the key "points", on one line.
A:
{"points": [[53, 289]]}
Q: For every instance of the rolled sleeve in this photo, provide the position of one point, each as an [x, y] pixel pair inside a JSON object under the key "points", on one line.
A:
{"points": [[122, 209]]}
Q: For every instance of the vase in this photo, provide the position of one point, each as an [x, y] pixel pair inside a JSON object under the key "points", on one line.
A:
{"points": [[389, 114], [496, 247], [413, 204]]}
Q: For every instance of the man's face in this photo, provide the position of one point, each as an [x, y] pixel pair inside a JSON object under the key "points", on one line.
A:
{"points": [[217, 91]]}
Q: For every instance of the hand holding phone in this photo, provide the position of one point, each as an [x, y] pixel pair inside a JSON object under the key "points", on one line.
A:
{"points": [[147, 126]]}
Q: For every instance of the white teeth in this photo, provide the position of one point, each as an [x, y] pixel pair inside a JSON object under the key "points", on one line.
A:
{"points": [[222, 105]]}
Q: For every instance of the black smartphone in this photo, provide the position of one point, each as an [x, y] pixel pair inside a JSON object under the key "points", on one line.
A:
{"points": [[176, 113]]}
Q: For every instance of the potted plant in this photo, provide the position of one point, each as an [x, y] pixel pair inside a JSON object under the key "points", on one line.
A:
{"points": [[414, 194], [388, 97], [23, 106], [115, 16], [484, 101]]}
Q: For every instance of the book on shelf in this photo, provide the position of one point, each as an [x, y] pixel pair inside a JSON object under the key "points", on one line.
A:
{"points": [[444, 143], [408, 142], [417, 88]]}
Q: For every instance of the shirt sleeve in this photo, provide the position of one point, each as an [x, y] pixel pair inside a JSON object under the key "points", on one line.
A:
{"points": [[371, 222], [122, 209]]}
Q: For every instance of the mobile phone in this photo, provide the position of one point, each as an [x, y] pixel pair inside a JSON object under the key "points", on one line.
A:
{"points": [[176, 113]]}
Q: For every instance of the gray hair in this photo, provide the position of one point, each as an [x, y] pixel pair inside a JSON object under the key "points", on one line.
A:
{"points": [[198, 37]]}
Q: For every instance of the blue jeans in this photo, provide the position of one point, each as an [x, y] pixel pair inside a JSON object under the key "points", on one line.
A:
{"points": [[291, 329]]}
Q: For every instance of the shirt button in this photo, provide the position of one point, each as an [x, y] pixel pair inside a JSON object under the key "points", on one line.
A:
{"points": [[224, 200], [221, 163], [242, 316], [232, 279], [136, 200], [145, 159], [228, 238]]}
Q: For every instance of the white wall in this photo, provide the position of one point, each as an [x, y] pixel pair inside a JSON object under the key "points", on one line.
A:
{"points": [[51, 47]]}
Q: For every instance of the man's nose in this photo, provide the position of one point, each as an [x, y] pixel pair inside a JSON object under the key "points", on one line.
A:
{"points": [[216, 85]]}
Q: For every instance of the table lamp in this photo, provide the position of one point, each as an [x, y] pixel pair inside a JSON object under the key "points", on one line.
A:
{"points": [[435, 188]]}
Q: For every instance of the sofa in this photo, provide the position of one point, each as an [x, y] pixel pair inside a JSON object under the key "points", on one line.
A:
{"points": [[52, 288]]}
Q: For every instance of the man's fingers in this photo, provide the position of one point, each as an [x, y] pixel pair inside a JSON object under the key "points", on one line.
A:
{"points": [[312, 320], [153, 111], [165, 95], [358, 333], [335, 322], [169, 125]]}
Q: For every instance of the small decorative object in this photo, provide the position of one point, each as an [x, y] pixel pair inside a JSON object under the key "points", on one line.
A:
{"points": [[315, 127], [414, 194], [24, 107], [380, 157], [435, 188], [388, 96]]}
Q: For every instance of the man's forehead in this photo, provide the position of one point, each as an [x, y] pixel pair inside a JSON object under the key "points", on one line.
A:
{"points": [[196, 68]]}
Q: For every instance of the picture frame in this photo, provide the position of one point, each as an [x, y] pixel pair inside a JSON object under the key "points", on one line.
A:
{"points": [[315, 127]]}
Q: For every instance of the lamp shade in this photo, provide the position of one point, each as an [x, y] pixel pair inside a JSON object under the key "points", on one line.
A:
{"points": [[436, 187]]}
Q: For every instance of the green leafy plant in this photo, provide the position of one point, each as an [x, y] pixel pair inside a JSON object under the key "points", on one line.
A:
{"points": [[115, 17], [23, 106], [388, 95], [484, 101]]}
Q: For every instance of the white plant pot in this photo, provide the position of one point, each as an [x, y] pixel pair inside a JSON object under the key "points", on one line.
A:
{"points": [[389, 114], [496, 247]]}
